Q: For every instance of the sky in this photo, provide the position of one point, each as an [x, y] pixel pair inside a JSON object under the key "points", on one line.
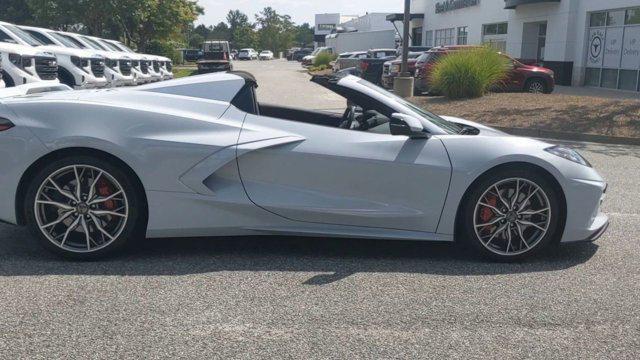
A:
{"points": [[301, 11]]}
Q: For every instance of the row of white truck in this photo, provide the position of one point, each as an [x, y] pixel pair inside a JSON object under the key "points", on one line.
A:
{"points": [[36, 55]]}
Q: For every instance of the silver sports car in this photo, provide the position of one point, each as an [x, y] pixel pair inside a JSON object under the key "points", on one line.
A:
{"points": [[90, 171]]}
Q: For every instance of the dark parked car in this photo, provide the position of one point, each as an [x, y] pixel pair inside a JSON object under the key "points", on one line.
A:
{"points": [[289, 53], [371, 66], [391, 68], [216, 57], [299, 54], [521, 77], [192, 55]]}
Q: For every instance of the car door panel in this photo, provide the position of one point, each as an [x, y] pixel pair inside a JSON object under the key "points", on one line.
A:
{"points": [[345, 177]]}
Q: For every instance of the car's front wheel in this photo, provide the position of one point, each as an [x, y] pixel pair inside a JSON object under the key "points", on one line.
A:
{"points": [[512, 214], [83, 207], [536, 86]]}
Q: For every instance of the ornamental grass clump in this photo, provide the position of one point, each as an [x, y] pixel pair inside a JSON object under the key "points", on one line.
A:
{"points": [[323, 58], [466, 74]]}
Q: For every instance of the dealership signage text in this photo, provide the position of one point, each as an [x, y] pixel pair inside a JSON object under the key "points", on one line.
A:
{"points": [[449, 5]]}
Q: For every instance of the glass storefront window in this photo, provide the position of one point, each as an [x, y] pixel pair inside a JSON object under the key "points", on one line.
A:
{"points": [[495, 29], [592, 77], [628, 80], [615, 18], [613, 49], [463, 34], [598, 19], [633, 17], [610, 78], [428, 38]]}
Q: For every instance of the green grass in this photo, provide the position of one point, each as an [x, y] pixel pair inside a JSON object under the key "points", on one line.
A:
{"points": [[184, 72], [469, 73]]}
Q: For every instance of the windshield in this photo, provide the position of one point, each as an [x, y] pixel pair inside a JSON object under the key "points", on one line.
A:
{"points": [[93, 43], [429, 57], [109, 45], [77, 43], [121, 46], [445, 125], [24, 36]]}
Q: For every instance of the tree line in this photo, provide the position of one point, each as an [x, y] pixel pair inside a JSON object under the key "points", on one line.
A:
{"points": [[158, 26], [269, 31]]}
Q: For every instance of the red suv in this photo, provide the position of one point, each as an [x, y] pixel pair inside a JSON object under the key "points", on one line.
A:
{"points": [[534, 79]]}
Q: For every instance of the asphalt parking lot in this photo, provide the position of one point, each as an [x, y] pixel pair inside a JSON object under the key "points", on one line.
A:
{"points": [[331, 298]]}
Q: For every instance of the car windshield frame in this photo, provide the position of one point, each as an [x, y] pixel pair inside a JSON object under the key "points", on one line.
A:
{"points": [[446, 125], [122, 46], [23, 35], [75, 41], [110, 46], [93, 43]]}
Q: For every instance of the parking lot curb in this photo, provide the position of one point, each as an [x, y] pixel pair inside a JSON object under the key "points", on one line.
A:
{"points": [[559, 135]]}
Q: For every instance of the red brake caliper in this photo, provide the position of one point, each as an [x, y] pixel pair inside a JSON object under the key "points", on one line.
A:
{"points": [[486, 214], [104, 190]]}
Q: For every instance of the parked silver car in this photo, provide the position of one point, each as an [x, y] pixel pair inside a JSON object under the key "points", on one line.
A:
{"points": [[88, 172]]}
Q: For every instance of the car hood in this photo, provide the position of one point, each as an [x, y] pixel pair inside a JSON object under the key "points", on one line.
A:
{"points": [[61, 50], [498, 135], [24, 50], [539, 69]]}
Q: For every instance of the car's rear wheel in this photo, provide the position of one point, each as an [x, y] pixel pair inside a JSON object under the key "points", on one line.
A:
{"points": [[83, 207], [512, 214], [536, 86]]}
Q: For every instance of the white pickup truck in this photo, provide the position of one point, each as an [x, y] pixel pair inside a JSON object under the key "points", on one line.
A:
{"points": [[77, 68], [118, 67], [23, 64]]}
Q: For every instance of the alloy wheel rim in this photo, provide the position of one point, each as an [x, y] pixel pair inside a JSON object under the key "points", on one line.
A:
{"points": [[512, 216], [81, 208], [536, 87]]}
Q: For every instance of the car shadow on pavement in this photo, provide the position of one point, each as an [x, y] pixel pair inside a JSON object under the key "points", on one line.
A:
{"points": [[333, 259]]}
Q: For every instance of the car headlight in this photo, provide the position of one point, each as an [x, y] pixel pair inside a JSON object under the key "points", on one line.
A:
{"points": [[568, 154]]}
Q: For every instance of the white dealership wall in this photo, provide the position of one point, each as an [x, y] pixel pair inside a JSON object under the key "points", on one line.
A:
{"points": [[567, 25], [372, 31], [333, 19], [362, 41], [370, 22]]}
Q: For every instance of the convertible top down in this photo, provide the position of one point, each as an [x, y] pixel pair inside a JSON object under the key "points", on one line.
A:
{"points": [[88, 171]]}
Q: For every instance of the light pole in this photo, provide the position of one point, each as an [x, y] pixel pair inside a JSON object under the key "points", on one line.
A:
{"points": [[403, 84]]}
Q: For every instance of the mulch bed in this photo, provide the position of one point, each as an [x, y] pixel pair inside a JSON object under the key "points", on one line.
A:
{"points": [[554, 112]]}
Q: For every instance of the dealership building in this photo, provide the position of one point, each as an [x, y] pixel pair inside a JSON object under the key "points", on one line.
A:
{"points": [[371, 24], [586, 42]]}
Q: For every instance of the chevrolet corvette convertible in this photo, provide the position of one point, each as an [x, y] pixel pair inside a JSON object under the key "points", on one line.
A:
{"points": [[90, 171]]}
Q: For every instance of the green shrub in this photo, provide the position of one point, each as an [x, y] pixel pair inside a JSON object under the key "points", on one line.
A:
{"points": [[323, 58], [469, 73], [166, 49]]}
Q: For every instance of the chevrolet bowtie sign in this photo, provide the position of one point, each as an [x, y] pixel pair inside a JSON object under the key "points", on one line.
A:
{"points": [[449, 5]]}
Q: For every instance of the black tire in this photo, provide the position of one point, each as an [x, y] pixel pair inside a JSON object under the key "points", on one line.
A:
{"points": [[468, 234], [66, 78], [536, 86], [133, 225], [8, 81]]}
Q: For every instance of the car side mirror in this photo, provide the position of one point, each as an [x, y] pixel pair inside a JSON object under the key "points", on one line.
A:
{"points": [[407, 125]]}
